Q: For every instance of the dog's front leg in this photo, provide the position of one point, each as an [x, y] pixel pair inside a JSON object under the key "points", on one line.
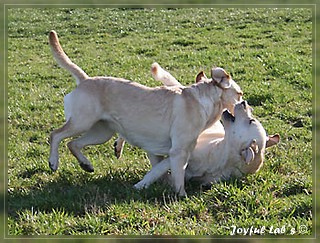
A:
{"points": [[178, 163], [154, 174], [154, 159]]}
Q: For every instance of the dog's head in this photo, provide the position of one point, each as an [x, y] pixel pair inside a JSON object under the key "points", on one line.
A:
{"points": [[246, 138], [231, 91]]}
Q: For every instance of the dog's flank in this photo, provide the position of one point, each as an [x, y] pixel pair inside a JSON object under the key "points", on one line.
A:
{"points": [[173, 117], [159, 74]]}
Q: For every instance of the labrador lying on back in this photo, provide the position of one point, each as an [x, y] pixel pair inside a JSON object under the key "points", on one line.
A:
{"points": [[164, 121], [235, 149]]}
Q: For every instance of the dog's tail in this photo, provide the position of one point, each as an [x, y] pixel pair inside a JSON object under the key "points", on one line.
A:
{"points": [[159, 74], [63, 60]]}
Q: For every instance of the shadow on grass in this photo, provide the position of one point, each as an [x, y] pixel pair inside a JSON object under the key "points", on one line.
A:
{"points": [[82, 193], [75, 196]]}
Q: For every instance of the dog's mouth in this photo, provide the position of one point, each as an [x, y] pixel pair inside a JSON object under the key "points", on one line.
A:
{"points": [[244, 105], [227, 116], [241, 109]]}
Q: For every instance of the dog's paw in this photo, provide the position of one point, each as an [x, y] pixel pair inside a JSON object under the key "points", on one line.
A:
{"points": [[53, 163], [53, 166], [182, 193], [87, 167], [139, 186]]}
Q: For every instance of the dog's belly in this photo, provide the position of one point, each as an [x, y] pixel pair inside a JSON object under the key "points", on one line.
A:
{"points": [[145, 126], [155, 144], [151, 136]]}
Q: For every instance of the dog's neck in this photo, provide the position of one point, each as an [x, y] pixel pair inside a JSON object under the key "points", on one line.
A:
{"points": [[209, 95], [209, 162], [221, 167], [219, 151]]}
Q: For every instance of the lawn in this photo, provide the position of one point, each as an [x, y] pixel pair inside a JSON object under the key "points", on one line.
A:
{"points": [[267, 51]]}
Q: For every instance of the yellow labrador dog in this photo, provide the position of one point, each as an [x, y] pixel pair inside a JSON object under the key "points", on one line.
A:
{"points": [[235, 149], [163, 121]]}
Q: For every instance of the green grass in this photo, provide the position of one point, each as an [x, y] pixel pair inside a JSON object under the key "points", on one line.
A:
{"points": [[267, 51]]}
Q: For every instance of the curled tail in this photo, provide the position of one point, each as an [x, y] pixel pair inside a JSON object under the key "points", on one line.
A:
{"points": [[159, 74], [63, 60]]}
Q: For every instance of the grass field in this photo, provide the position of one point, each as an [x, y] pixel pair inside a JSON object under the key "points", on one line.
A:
{"points": [[267, 51]]}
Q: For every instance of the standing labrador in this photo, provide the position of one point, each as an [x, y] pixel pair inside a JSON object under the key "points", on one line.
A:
{"points": [[163, 121]]}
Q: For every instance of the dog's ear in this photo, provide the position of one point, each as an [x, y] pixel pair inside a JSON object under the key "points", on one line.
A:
{"points": [[201, 77], [272, 140], [220, 76], [248, 154]]}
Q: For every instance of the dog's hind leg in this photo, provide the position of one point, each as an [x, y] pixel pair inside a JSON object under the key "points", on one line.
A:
{"points": [[70, 129], [178, 162], [98, 134]]}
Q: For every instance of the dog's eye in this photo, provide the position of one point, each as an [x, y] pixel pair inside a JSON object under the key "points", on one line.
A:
{"points": [[251, 120]]}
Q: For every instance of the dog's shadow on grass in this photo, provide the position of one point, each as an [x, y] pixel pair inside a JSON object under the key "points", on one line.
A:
{"points": [[82, 193]]}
